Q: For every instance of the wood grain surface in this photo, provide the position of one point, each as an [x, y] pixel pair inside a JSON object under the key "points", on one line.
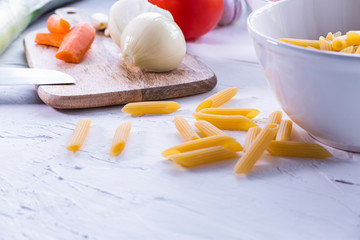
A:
{"points": [[103, 80]]}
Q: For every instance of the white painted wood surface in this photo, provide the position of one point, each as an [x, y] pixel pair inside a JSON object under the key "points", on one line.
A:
{"points": [[49, 193]]}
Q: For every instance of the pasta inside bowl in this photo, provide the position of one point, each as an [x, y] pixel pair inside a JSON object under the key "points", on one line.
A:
{"points": [[319, 90]]}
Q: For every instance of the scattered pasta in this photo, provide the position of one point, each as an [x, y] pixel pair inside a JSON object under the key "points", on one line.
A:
{"points": [[184, 128], [284, 132], [275, 117], [218, 99], [256, 149], [297, 149], [156, 107], [78, 137], [217, 140], [247, 112], [250, 136], [207, 128], [226, 122], [203, 156], [120, 138]]}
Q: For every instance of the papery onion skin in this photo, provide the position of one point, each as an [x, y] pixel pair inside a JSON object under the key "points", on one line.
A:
{"points": [[153, 43]]}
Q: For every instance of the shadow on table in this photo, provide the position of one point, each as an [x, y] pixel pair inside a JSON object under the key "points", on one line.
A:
{"points": [[21, 94], [271, 166]]}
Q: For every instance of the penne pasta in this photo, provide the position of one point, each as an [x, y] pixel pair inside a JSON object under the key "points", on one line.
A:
{"points": [[217, 140], [207, 128], [218, 99], [155, 107], [297, 149], [357, 51], [349, 49], [329, 36], [337, 34], [301, 42], [251, 136], [284, 132], [340, 43], [353, 37], [325, 44], [256, 149], [78, 137], [247, 112], [185, 130], [275, 117], [202, 156], [120, 138], [226, 122]]}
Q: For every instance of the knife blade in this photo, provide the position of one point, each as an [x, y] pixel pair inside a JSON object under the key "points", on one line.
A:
{"points": [[34, 76]]}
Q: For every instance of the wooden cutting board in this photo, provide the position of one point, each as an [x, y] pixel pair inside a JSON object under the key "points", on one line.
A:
{"points": [[103, 80]]}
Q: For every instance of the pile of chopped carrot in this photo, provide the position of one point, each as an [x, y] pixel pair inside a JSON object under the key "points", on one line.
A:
{"points": [[73, 43]]}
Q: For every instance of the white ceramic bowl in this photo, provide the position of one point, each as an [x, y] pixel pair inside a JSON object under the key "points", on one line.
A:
{"points": [[320, 91], [255, 4]]}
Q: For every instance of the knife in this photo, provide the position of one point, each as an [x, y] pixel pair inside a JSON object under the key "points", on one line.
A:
{"points": [[34, 76]]}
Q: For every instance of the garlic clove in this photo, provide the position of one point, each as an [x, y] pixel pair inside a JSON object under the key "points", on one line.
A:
{"points": [[233, 10], [99, 21], [123, 11], [153, 43]]}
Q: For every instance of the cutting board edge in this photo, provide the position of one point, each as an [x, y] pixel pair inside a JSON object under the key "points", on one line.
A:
{"points": [[136, 95]]}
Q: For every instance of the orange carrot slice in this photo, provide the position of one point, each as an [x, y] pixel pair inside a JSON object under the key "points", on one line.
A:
{"points": [[56, 24], [76, 43], [50, 39]]}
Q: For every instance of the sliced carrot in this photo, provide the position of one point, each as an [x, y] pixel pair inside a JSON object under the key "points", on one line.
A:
{"points": [[50, 39], [56, 24], [76, 43]]}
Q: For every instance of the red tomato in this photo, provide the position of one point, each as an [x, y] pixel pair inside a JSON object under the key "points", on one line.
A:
{"points": [[194, 17]]}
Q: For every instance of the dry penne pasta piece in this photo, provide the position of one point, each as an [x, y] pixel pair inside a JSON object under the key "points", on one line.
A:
{"points": [[155, 107], [297, 149], [203, 156], [353, 37], [357, 50], [78, 137], [337, 34], [184, 128], [256, 149], [247, 112], [301, 42], [284, 132], [349, 49], [226, 122], [218, 99], [340, 43], [250, 136], [207, 128], [329, 36], [325, 44], [275, 117], [217, 140], [120, 138]]}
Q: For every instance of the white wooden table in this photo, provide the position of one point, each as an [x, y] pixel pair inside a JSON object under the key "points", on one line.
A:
{"points": [[47, 192]]}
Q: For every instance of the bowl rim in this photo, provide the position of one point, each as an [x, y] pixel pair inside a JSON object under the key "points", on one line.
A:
{"points": [[251, 28]]}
